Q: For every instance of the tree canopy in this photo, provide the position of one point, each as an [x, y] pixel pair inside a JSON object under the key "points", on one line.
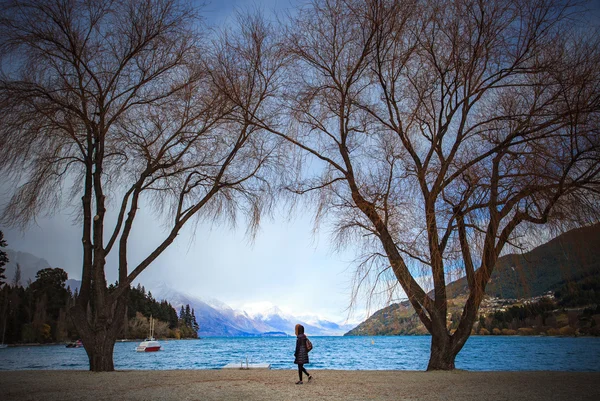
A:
{"points": [[441, 133], [110, 107]]}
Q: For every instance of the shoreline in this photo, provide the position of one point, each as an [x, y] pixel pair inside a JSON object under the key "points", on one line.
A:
{"points": [[125, 340], [400, 335], [234, 384]]}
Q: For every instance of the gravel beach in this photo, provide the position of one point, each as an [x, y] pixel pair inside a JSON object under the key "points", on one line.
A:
{"points": [[279, 385]]}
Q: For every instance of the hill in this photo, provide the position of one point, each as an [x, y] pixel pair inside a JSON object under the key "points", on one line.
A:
{"points": [[573, 257], [30, 265]]}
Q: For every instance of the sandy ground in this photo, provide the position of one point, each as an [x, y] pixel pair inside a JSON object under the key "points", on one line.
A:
{"points": [[279, 385]]}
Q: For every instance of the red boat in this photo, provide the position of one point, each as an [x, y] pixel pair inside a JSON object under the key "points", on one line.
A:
{"points": [[149, 344]]}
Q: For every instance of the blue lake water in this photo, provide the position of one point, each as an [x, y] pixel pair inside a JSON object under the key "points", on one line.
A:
{"points": [[346, 353]]}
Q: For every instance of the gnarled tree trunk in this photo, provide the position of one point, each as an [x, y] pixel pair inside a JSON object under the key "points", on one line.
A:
{"points": [[99, 349], [442, 353], [99, 330], [445, 346]]}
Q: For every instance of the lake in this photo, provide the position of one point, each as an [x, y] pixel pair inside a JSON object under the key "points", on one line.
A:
{"points": [[512, 353]]}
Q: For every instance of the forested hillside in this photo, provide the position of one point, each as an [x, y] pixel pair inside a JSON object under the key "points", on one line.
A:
{"points": [[570, 257], [553, 289], [39, 313]]}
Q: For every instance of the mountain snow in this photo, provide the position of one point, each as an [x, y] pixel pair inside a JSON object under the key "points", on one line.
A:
{"points": [[216, 318]]}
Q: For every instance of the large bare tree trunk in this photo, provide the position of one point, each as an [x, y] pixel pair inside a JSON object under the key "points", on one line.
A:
{"points": [[442, 354], [445, 347], [99, 349], [99, 329]]}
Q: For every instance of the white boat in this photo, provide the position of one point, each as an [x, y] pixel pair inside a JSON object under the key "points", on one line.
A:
{"points": [[149, 344]]}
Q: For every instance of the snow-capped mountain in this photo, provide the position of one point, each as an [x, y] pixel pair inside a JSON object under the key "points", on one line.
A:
{"points": [[214, 317], [218, 319], [278, 319]]}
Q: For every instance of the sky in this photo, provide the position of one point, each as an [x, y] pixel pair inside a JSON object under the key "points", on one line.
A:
{"points": [[286, 265]]}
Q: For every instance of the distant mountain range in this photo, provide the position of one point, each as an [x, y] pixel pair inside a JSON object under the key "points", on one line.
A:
{"points": [[570, 257], [214, 317], [217, 319], [30, 265]]}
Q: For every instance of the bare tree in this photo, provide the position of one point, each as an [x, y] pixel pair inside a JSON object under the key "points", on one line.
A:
{"points": [[113, 102], [446, 132]]}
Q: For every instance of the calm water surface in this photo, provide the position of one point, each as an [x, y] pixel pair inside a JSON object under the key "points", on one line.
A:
{"points": [[348, 353]]}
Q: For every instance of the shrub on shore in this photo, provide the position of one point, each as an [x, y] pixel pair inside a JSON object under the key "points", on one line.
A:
{"points": [[567, 331]]}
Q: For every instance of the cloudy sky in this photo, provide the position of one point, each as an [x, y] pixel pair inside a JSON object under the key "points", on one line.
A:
{"points": [[286, 265]]}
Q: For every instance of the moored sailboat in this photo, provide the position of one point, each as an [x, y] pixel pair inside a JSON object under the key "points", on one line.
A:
{"points": [[149, 344]]}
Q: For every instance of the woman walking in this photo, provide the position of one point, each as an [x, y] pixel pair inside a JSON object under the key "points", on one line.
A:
{"points": [[301, 353]]}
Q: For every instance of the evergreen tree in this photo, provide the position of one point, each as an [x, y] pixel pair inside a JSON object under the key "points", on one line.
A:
{"points": [[195, 324], [50, 284], [3, 258], [188, 316], [40, 312], [172, 318]]}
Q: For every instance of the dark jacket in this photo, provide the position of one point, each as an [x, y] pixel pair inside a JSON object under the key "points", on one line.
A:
{"points": [[301, 353]]}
